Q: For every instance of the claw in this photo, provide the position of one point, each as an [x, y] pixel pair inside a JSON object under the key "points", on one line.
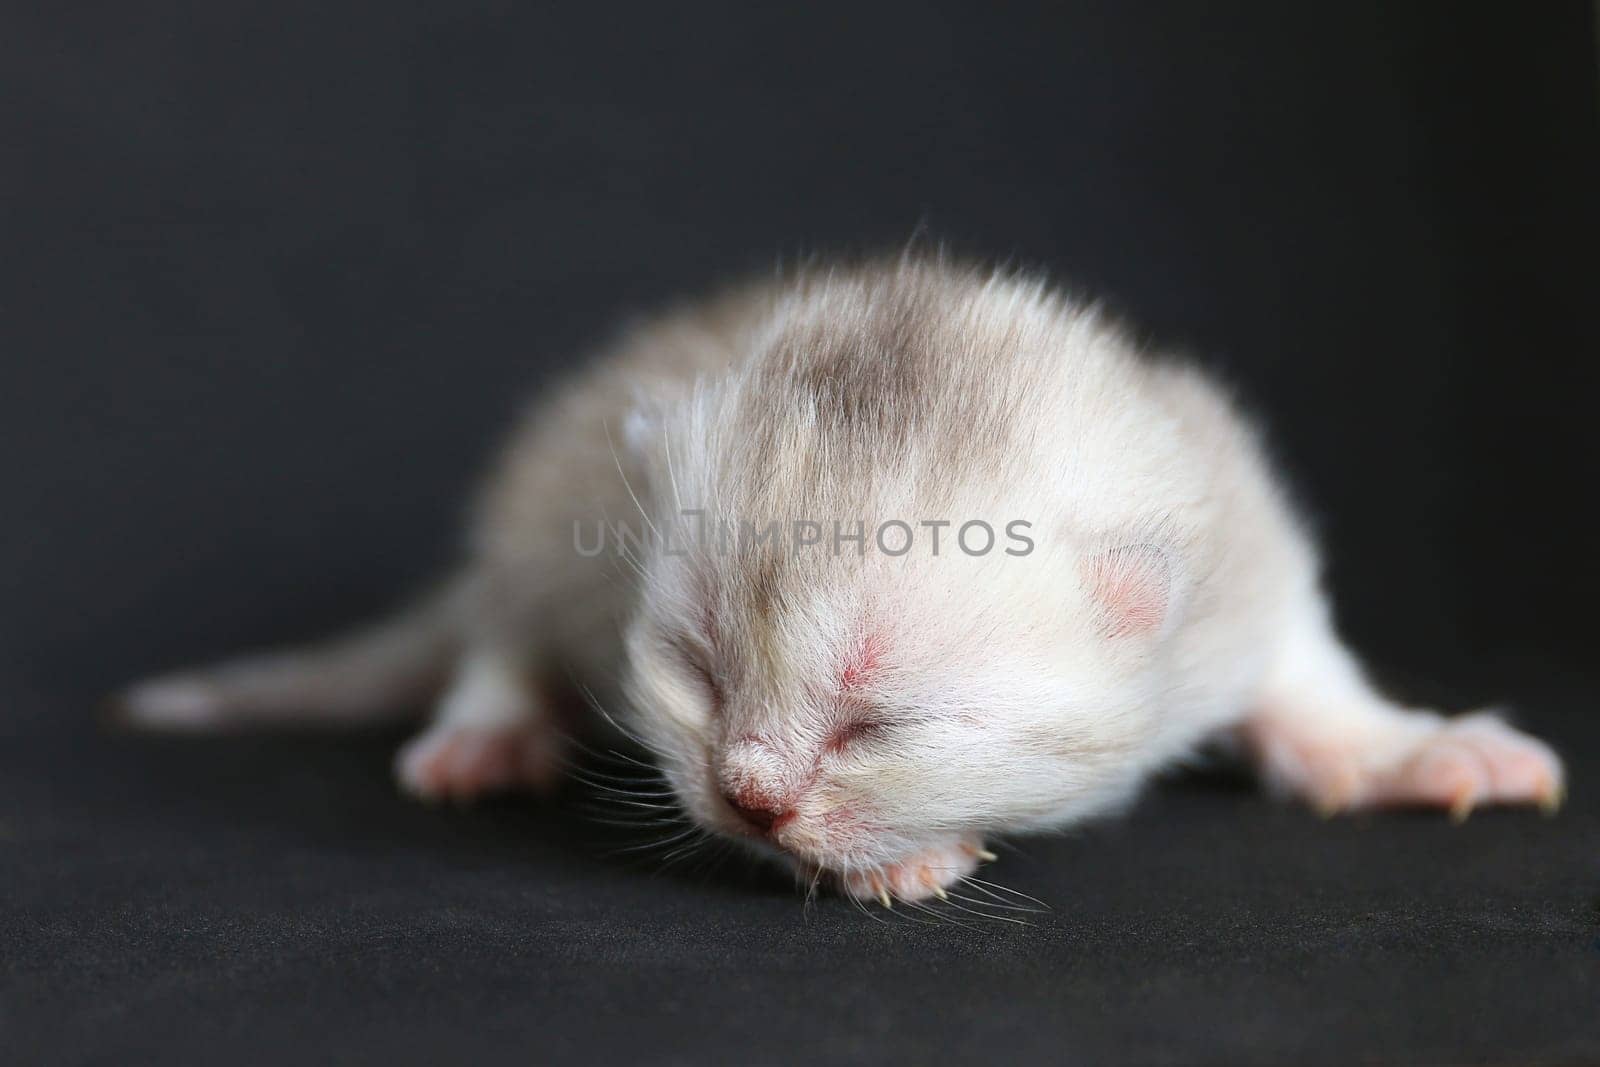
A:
{"points": [[978, 853], [1336, 800], [884, 898], [1552, 799], [1461, 807]]}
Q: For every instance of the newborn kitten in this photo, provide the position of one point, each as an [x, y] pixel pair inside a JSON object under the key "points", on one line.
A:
{"points": [[767, 516]]}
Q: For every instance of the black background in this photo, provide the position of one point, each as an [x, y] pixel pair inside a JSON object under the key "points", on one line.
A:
{"points": [[273, 280]]}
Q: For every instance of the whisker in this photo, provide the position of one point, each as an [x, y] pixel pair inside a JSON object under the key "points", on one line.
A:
{"points": [[939, 918], [672, 477], [621, 779], [664, 843], [950, 901], [627, 484], [622, 807], [613, 795], [863, 909], [933, 909], [907, 915], [683, 851], [627, 817], [626, 783], [811, 892], [701, 856], [1006, 889], [623, 555], [599, 709], [635, 824], [618, 786], [613, 803], [996, 904], [611, 789]]}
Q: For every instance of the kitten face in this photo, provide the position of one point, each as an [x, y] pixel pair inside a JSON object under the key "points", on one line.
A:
{"points": [[845, 712]]}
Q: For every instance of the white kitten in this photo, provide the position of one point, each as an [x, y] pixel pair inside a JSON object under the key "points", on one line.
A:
{"points": [[767, 516]]}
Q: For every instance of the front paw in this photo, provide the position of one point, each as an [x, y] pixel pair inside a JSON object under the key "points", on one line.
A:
{"points": [[1456, 764], [924, 874], [463, 762], [1470, 762]]}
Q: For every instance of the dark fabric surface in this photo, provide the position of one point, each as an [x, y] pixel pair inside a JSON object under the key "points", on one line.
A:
{"points": [[275, 278], [272, 901]]}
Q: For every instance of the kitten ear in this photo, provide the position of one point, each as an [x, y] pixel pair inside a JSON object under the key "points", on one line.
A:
{"points": [[1132, 585]]}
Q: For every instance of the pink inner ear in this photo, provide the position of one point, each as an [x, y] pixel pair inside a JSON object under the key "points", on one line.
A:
{"points": [[1134, 585]]}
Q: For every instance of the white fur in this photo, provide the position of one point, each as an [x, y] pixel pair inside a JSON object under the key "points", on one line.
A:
{"points": [[1170, 594]]}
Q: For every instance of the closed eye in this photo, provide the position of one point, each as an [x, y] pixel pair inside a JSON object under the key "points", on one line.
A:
{"points": [[693, 658], [713, 686], [700, 671], [855, 732]]}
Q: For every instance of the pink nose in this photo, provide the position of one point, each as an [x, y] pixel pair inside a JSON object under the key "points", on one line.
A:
{"points": [[761, 814]]}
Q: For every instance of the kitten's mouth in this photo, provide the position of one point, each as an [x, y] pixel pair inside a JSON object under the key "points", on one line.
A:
{"points": [[814, 851], [791, 839], [851, 861], [831, 842]]}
